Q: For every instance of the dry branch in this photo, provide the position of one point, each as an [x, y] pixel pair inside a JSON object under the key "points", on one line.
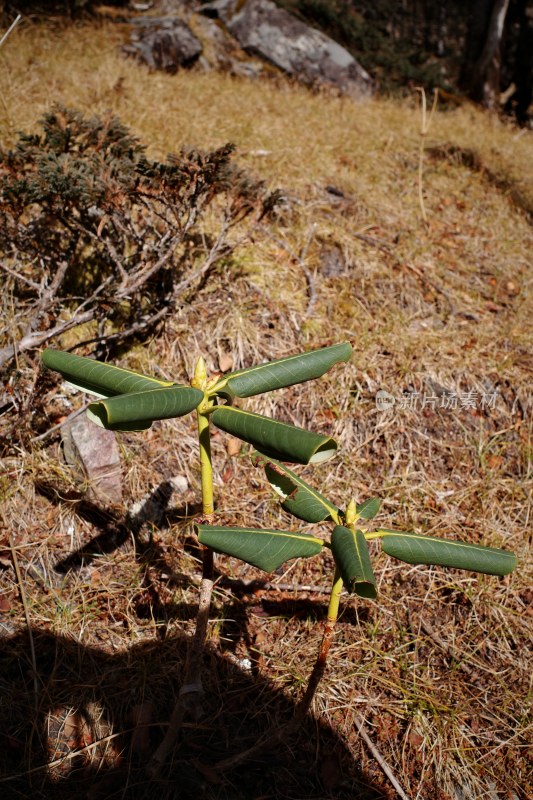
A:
{"points": [[85, 214]]}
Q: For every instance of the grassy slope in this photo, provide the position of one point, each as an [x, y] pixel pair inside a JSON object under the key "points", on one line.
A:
{"points": [[439, 670]]}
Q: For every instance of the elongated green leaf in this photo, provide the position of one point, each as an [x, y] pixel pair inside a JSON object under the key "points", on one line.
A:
{"points": [[95, 377], [369, 508], [284, 371], [138, 410], [274, 438], [350, 552], [266, 549], [415, 548], [298, 498]]}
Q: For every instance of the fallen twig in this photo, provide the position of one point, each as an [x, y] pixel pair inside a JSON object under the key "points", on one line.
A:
{"points": [[379, 758], [59, 425], [86, 749], [11, 28], [273, 736]]}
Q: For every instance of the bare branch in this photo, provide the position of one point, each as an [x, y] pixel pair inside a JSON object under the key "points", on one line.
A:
{"points": [[11, 28], [19, 277]]}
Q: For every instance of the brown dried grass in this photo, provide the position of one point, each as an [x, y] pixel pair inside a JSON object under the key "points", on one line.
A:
{"points": [[439, 668]]}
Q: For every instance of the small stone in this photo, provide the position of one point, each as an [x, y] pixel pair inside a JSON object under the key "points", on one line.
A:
{"points": [[233, 446], [93, 452], [225, 361], [179, 483]]}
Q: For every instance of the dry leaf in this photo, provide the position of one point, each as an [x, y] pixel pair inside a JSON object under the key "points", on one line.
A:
{"points": [[415, 740], [5, 604], [227, 475], [233, 446], [225, 361]]}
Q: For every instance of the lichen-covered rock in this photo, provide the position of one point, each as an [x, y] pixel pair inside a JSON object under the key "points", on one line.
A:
{"points": [[164, 43], [263, 29], [221, 51], [247, 38]]}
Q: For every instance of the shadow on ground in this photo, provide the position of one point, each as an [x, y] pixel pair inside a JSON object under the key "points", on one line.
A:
{"points": [[81, 695], [85, 724]]}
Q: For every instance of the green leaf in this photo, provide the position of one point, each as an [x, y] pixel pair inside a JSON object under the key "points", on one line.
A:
{"points": [[368, 509], [283, 372], [138, 410], [266, 549], [274, 438], [350, 552], [95, 377], [298, 498], [414, 548]]}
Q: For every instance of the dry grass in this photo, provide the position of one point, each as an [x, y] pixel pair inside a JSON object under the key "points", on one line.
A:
{"points": [[439, 668]]}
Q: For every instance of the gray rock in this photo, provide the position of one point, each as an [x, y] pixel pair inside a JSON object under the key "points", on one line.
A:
{"points": [[93, 452], [220, 9], [264, 29], [221, 51], [217, 44], [164, 43]]}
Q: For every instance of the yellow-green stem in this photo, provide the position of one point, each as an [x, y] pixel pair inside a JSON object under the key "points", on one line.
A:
{"points": [[208, 506], [335, 598], [206, 586]]}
